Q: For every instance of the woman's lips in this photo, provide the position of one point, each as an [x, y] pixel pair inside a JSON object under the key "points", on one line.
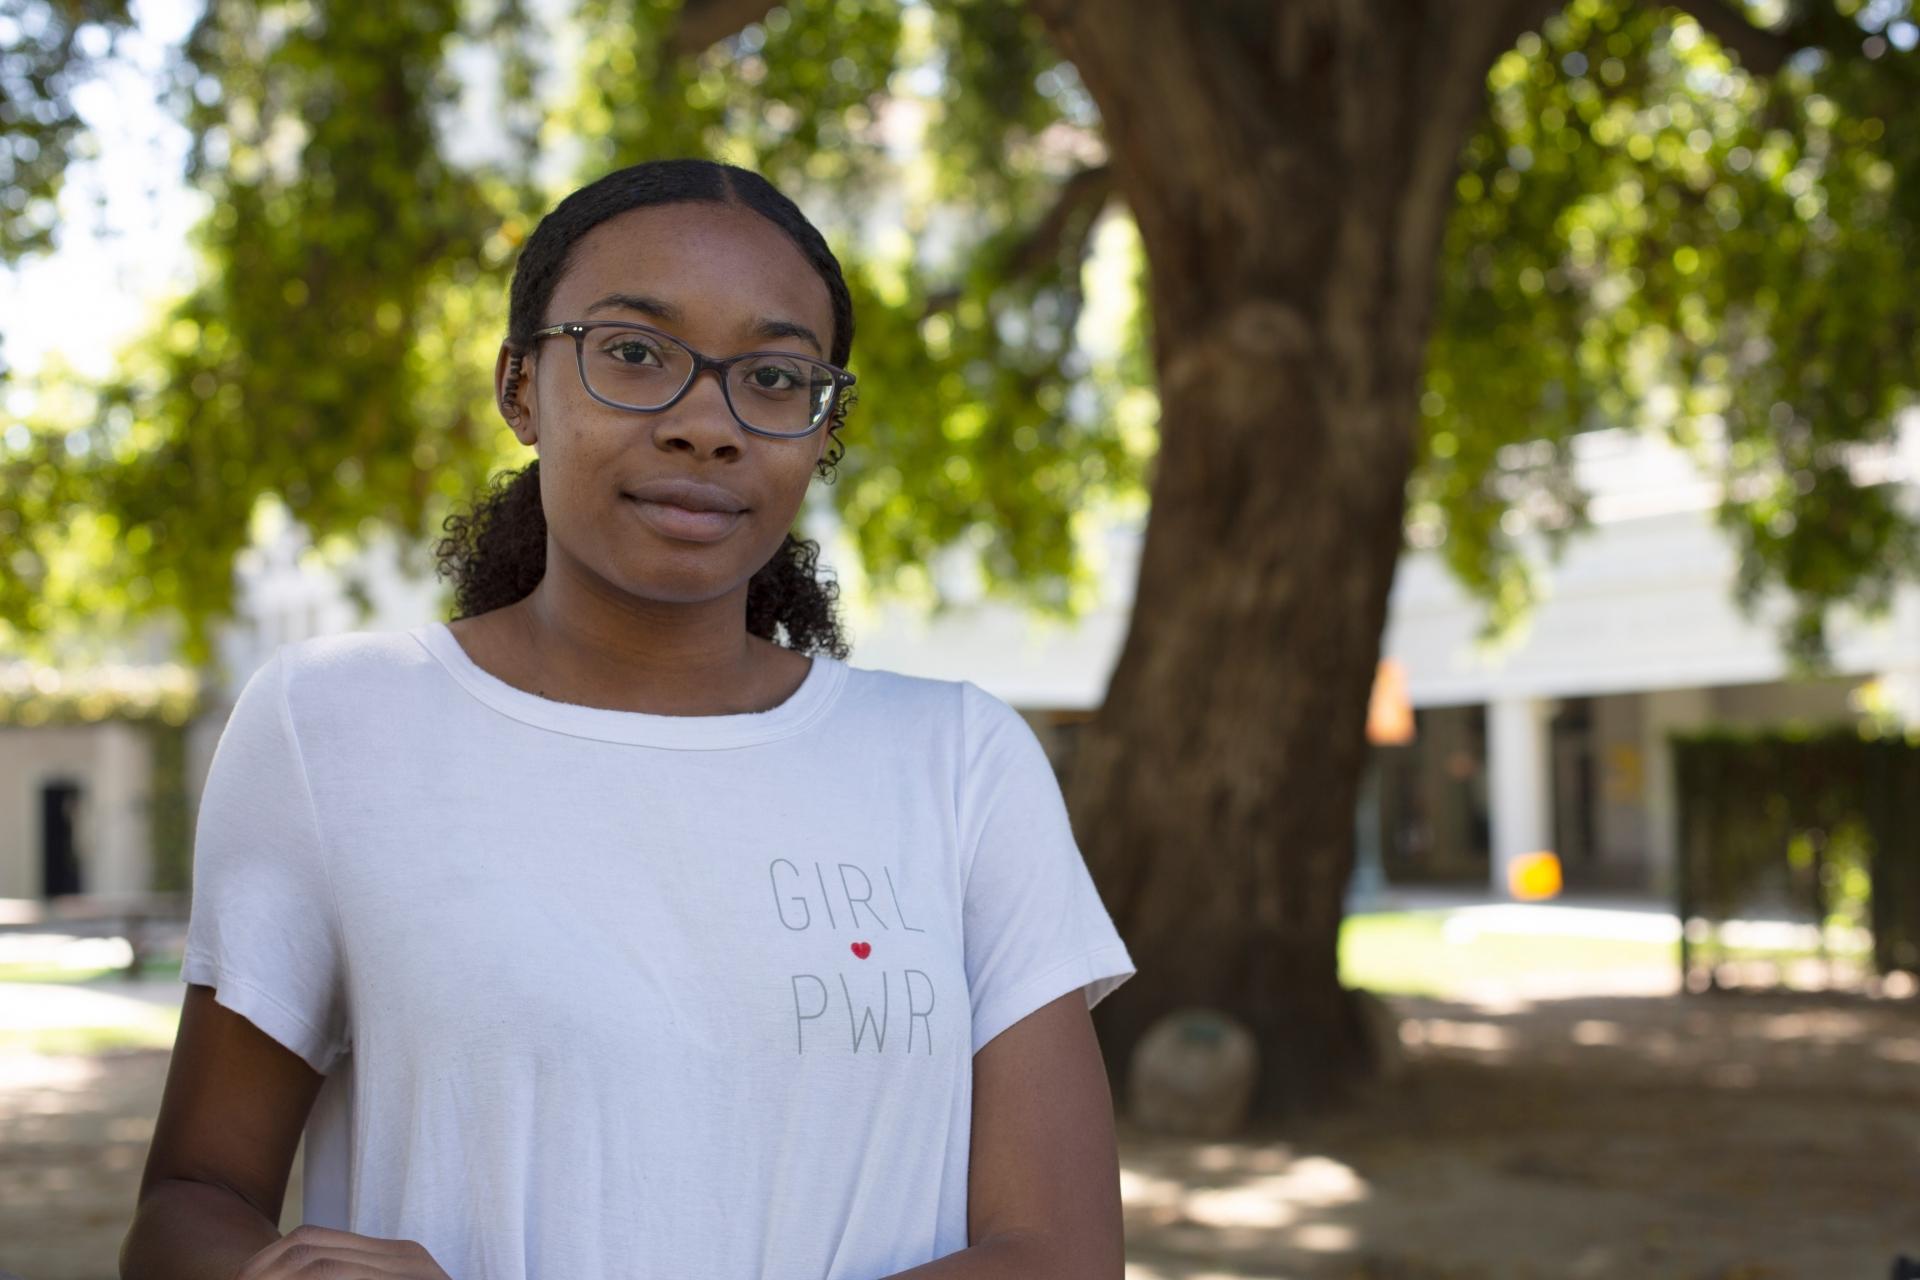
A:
{"points": [[680, 522]]}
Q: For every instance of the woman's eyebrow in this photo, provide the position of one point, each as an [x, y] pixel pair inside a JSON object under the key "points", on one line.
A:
{"points": [[768, 328], [664, 311], [667, 313]]}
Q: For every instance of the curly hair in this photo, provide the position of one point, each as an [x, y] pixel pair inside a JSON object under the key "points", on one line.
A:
{"points": [[495, 552]]}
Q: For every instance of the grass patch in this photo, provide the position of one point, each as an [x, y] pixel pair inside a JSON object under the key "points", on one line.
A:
{"points": [[62, 973], [1407, 953], [152, 1028], [84, 1025], [84, 1041]]}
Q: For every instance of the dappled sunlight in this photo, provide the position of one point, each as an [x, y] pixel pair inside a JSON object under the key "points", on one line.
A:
{"points": [[1454, 1033], [1227, 1157], [1596, 1031], [1235, 1209], [1907, 1051], [1256, 1185], [76, 1129], [76, 952], [1325, 1237], [1599, 1135], [28, 1006], [55, 1020], [40, 1093], [1613, 1135], [1147, 1191], [20, 1072], [1729, 1040], [1828, 1025], [1276, 1200]]}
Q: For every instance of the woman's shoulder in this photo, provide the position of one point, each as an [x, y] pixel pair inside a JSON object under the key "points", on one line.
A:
{"points": [[960, 702], [351, 653], [349, 667], [890, 684]]}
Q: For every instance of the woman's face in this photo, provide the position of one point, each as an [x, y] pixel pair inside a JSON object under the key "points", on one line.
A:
{"points": [[722, 279]]}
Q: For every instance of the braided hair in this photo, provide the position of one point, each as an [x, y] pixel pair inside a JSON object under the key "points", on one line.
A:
{"points": [[495, 551]]}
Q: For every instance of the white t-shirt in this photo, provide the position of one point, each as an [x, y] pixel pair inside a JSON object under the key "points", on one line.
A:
{"points": [[611, 994]]}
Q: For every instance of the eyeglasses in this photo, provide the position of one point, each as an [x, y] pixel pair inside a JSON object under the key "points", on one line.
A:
{"points": [[633, 366]]}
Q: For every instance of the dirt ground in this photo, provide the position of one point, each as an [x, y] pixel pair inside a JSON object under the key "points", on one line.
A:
{"points": [[1723, 1137]]}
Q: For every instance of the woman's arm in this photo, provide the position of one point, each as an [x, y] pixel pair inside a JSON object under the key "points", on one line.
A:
{"points": [[1043, 1183], [230, 1119], [192, 1231]]}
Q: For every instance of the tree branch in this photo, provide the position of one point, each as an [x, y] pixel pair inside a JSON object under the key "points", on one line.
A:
{"points": [[1761, 50], [1083, 193], [707, 22], [1067, 224]]}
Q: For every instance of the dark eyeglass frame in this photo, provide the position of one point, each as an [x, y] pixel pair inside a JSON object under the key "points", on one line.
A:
{"points": [[578, 330]]}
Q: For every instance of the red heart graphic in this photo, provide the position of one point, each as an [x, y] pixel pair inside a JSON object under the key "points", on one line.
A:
{"points": [[861, 949]]}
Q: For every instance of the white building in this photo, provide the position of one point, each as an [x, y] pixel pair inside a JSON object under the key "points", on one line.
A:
{"points": [[1557, 741], [1553, 743]]}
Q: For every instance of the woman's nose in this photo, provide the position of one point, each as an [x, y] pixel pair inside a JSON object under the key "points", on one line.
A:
{"points": [[702, 419]]}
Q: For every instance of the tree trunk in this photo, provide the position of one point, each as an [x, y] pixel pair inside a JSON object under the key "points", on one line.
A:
{"points": [[1290, 166]]}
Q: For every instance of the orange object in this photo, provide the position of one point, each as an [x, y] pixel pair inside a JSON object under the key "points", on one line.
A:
{"points": [[1389, 714], [1533, 876]]}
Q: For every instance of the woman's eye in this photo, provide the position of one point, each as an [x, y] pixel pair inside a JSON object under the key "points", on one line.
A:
{"points": [[772, 378], [630, 351]]}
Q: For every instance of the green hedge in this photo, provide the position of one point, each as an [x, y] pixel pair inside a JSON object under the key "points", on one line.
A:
{"points": [[1829, 820]]}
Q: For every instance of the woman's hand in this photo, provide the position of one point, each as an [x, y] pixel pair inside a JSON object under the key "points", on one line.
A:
{"points": [[309, 1251]]}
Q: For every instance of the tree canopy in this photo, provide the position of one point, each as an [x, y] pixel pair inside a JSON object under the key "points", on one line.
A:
{"points": [[1647, 232]]}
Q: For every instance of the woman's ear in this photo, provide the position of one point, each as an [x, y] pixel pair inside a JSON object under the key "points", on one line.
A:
{"points": [[511, 373]]}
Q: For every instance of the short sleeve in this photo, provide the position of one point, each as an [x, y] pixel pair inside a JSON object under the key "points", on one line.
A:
{"points": [[1035, 927], [262, 926]]}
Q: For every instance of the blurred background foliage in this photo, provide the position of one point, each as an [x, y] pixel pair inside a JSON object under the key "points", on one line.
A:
{"points": [[1646, 235], [41, 132]]}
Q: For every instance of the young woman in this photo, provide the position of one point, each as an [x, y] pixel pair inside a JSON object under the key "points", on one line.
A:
{"points": [[620, 927]]}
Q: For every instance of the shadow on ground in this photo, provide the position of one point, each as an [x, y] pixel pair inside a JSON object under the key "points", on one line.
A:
{"points": [[1719, 1137]]}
